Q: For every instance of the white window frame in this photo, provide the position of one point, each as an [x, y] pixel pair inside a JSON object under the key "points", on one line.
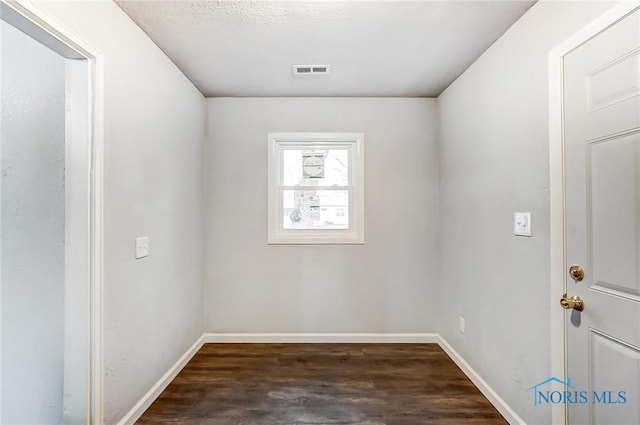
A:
{"points": [[278, 142]]}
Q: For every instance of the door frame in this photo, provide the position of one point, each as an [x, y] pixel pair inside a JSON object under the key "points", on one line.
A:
{"points": [[559, 361], [29, 18]]}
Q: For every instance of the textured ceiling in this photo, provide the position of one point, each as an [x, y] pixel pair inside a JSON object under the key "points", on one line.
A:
{"points": [[375, 48]]}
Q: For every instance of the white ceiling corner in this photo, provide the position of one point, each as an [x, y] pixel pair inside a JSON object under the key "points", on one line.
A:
{"points": [[375, 48]]}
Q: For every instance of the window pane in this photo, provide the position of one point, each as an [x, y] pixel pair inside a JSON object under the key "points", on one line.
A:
{"points": [[315, 209], [316, 167]]}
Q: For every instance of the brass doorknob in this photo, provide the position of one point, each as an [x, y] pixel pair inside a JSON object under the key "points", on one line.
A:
{"points": [[574, 302], [576, 272]]}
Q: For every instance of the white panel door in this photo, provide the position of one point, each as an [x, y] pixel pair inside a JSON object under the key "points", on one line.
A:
{"points": [[602, 222]]}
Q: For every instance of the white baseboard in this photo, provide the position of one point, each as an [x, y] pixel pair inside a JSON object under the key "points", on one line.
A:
{"points": [[375, 338], [134, 414], [497, 401]]}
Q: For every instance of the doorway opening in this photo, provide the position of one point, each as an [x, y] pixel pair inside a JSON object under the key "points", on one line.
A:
{"points": [[50, 222]]}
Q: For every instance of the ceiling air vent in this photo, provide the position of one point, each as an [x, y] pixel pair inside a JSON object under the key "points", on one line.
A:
{"points": [[311, 69]]}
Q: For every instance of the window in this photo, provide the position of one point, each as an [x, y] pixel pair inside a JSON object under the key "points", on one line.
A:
{"points": [[316, 188]]}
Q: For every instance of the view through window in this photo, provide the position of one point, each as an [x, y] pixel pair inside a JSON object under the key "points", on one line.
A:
{"points": [[315, 188]]}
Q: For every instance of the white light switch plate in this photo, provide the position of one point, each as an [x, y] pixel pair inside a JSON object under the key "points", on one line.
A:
{"points": [[142, 247], [522, 224]]}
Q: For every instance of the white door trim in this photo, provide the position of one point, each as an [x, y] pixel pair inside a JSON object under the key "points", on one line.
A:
{"points": [[31, 19], [556, 188]]}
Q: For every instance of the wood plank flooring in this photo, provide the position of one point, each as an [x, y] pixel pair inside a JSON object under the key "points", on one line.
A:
{"points": [[321, 384]]}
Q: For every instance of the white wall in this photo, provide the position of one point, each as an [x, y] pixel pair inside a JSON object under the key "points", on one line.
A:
{"points": [[154, 141], [33, 230], [386, 285], [494, 161]]}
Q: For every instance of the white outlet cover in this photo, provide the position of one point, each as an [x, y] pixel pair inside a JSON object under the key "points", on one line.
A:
{"points": [[142, 247], [462, 325], [522, 224]]}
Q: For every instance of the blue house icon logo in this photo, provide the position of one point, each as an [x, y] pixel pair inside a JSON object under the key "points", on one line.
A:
{"points": [[553, 379], [552, 396]]}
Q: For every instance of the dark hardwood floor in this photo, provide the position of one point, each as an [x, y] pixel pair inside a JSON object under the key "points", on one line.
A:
{"points": [[346, 384]]}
